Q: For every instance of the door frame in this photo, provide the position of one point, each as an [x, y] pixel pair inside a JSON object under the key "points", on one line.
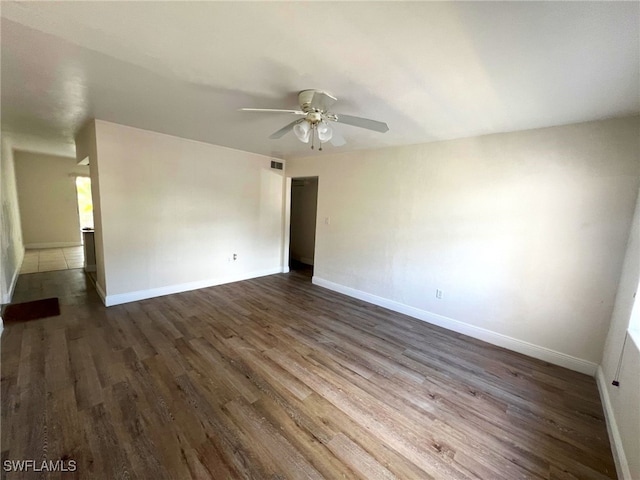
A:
{"points": [[286, 243]]}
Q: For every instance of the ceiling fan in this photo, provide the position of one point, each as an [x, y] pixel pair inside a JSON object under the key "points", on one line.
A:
{"points": [[314, 106]]}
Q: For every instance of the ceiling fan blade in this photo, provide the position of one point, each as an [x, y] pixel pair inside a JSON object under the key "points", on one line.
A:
{"points": [[284, 130], [337, 140], [322, 101], [362, 123], [272, 110]]}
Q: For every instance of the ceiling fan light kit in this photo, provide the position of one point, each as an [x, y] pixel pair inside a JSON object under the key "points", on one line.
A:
{"points": [[325, 132], [314, 105], [305, 130], [302, 130]]}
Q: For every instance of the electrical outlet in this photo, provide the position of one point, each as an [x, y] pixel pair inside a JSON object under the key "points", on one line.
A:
{"points": [[235, 257], [438, 294]]}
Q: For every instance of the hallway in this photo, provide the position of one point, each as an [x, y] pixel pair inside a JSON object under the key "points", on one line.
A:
{"points": [[52, 259]]}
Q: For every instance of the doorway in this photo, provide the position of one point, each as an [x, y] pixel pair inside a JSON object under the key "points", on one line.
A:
{"points": [[302, 242], [85, 214], [85, 202]]}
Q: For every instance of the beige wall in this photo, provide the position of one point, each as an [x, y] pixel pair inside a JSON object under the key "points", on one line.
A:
{"points": [[523, 232], [48, 199], [623, 403], [11, 246], [304, 196], [174, 211]]}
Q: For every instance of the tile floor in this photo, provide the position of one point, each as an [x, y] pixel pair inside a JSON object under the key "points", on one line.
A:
{"points": [[50, 259]]}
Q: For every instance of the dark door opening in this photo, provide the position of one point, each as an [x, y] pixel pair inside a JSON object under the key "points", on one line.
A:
{"points": [[302, 243]]}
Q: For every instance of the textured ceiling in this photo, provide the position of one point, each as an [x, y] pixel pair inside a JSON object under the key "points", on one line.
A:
{"points": [[432, 71]]}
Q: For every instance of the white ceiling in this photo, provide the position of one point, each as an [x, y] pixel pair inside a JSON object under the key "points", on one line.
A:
{"points": [[432, 71]]}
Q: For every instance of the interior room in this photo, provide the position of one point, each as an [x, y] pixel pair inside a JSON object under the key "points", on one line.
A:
{"points": [[320, 240]]}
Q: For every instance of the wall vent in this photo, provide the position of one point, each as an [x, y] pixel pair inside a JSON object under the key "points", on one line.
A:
{"points": [[276, 165]]}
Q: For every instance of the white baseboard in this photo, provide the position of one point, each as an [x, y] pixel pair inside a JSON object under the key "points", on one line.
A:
{"points": [[101, 293], [12, 287], [622, 466], [110, 300], [29, 246], [285, 269], [510, 343], [14, 281]]}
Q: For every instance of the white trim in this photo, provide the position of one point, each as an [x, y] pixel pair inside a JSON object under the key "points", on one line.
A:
{"points": [[110, 300], [286, 233], [520, 346], [12, 288], [101, 293], [285, 269], [29, 246], [622, 466], [14, 281]]}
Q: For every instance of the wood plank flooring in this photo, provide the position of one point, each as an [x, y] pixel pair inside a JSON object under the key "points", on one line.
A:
{"points": [[277, 378]]}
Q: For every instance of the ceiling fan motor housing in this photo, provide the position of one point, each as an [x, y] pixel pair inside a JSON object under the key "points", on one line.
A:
{"points": [[305, 99], [314, 117]]}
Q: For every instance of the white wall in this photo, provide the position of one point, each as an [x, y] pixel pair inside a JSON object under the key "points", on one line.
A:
{"points": [[524, 232], [48, 199], [622, 404], [174, 211], [304, 197], [11, 246]]}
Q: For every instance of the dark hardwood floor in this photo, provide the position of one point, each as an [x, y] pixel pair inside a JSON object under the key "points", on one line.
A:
{"points": [[277, 378]]}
